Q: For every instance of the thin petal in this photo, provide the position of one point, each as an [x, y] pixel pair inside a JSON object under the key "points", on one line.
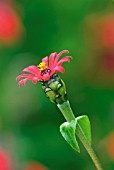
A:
{"points": [[58, 56], [51, 60], [23, 82], [27, 77], [30, 76], [34, 80], [18, 77], [59, 69], [32, 69], [45, 60], [65, 59]]}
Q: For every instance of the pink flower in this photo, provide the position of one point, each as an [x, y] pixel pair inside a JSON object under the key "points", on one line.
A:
{"points": [[5, 162], [45, 70], [11, 28]]}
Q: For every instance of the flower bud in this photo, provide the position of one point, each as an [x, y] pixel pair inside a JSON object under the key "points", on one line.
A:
{"points": [[55, 89]]}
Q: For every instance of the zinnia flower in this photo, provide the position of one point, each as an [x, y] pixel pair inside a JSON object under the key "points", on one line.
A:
{"points": [[45, 70], [46, 73]]}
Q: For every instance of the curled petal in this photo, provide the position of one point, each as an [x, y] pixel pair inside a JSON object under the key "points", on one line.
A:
{"points": [[51, 60], [34, 80], [32, 69], [65, 59], [19, 77], [30, 76], [27, 77], [58, 56], [45, 60], [23, 76], [59, 69], [23, 82]]}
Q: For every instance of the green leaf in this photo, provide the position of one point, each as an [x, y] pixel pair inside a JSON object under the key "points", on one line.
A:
{"points": [[84, 123], [67, 130]]}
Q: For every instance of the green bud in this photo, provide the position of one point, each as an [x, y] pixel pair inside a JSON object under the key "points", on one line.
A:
{"points": [[55, 89]]}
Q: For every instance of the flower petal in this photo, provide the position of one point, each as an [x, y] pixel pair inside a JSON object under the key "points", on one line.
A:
{"points": [[27, 77], [32, 69], [45, 60], [46, 77], [34, 80], [18, 77], [59, 69], [65, 59], [58, 56], [51, 60], [30, 76], [23, 82]]}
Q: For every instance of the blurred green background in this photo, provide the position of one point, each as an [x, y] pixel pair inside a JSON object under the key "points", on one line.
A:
{"points": [[29, 122]]}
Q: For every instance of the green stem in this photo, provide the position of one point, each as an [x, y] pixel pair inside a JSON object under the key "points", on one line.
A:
{"points": [[69, 116]]}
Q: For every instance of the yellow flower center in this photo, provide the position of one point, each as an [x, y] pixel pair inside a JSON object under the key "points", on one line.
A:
{"points": [[42, 66]]}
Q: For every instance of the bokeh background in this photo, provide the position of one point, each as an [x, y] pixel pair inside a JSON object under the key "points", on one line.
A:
{"points": [[29, 122]]}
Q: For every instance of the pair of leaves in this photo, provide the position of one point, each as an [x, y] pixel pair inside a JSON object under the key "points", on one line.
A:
{"points": [[69, 131]]}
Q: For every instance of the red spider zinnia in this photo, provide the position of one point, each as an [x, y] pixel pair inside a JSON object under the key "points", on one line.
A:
{"points": [[45, 70], [46, 73]]}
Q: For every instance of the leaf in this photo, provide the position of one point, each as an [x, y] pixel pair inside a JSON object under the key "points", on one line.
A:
{"points": [[85, 126], [67, 130]]}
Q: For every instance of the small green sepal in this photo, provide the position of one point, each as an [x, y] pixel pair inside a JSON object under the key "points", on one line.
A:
{"points": [[67, 130]]}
